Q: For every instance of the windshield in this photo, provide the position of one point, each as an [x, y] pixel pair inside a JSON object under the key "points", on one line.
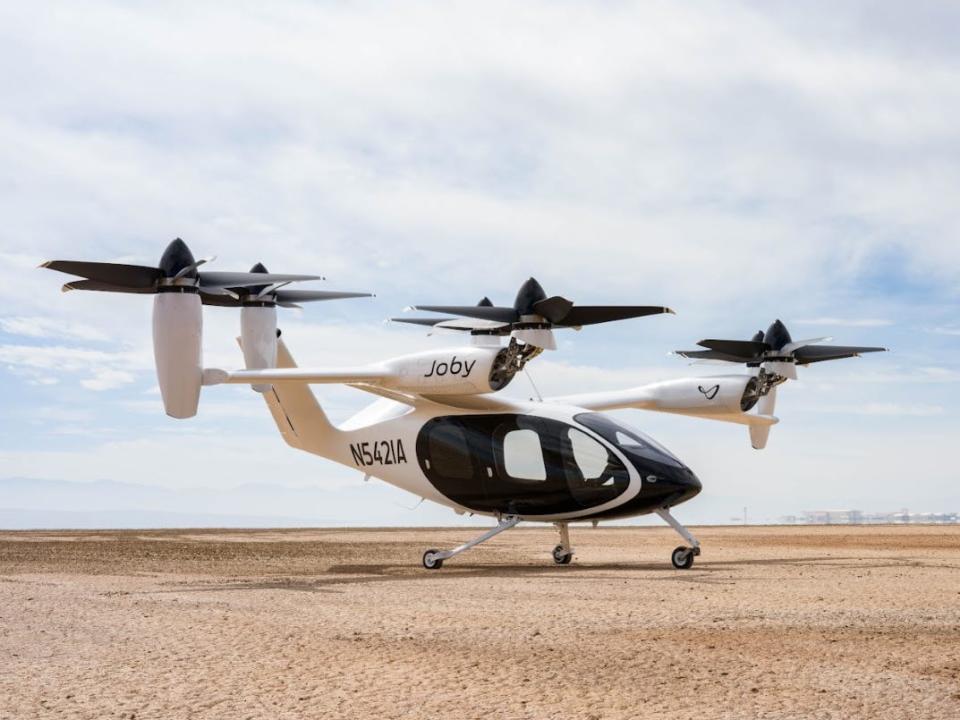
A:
{"points": [[627, 438]]}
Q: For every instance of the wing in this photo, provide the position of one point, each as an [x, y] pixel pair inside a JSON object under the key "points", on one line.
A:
{"points": [[310, 376]]}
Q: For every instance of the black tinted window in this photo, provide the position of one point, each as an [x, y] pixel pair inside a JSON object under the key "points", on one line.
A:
{"points": [[449, 453]]}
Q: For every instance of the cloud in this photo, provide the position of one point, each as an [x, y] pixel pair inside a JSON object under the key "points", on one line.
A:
{"points": [[846, 322], [887, 410], [58, 357], [107, 380], [47, 327], [103, 369]]}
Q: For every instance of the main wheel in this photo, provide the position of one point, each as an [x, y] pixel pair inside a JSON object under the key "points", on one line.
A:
{"points": [[682, 558], [560, 556], [431, 561]]}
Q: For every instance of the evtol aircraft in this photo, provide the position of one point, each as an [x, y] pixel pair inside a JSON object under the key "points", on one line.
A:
{"points": [[439, 427]]}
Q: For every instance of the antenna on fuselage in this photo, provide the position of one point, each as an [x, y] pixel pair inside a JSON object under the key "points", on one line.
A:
{"points": [[536, 391]]}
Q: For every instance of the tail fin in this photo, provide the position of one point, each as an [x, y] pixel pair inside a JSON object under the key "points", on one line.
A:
{"points": [[299, 417]]}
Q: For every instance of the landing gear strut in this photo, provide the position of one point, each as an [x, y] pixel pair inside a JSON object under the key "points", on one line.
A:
{"points": [[433, 559], [681, 557], [563, 553]]}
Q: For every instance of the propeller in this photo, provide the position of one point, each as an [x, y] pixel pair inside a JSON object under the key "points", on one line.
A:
{"points": [[177, 272], [774, 349], [270, 293], [532, 313], [775, 355]]}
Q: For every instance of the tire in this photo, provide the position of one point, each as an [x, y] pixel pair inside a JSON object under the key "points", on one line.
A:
{"points": [[560, 557], [682, 558], [430, 561]]}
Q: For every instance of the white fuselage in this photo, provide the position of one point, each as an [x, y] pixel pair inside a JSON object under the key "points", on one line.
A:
{"points": [[397, 443]]}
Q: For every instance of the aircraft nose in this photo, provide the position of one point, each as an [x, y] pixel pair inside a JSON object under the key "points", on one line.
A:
{"points": [[674, 484], [687, 483]]}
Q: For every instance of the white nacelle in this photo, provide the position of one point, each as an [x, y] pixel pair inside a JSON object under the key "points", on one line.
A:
{"points": [[442, 372], [717, 396], [177, 351], [258, 336]]}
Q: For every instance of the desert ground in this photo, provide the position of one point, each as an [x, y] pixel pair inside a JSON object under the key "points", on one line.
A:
{"points": [[771, 622]]}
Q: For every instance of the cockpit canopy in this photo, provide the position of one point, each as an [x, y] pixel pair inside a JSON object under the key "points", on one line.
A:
{"points": [[631, 441]]}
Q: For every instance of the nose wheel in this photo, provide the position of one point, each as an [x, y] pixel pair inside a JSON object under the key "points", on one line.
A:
{"points": [[681, 557]]}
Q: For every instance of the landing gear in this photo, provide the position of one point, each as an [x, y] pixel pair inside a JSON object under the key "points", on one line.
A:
{"points": [[682, 557], [563, 553], [433, 559]]}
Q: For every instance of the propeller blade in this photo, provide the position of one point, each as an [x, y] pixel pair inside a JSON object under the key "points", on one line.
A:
{"points": [[481, 312], [243, 279], [716, 363], [457, 324], [131, 276], [428, 322], [269, 290], [193, 266], [796, 345], [312, 295], [709, 355], [292, 306], [473, 324], [105, 287], [221, 291], [220, 297], [819, 353], [744, 350], [553, 308], [219, 300], [594, 314]]}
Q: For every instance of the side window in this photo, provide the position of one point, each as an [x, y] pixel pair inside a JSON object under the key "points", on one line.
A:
{"points": [[449, 453], [590, 456], [523, 455]]}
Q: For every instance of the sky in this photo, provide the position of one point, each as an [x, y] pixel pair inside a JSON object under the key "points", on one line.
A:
{"points": [[736, 161]]}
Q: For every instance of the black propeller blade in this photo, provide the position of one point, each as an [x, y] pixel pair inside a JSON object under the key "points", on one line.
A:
{"points": [[818, 353], [316, 295], [116, 274], [106, 287], [595, 314], [744, 349], [709, 355], [240, 279], [427, 322], [480, 312], [553, 308]]}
